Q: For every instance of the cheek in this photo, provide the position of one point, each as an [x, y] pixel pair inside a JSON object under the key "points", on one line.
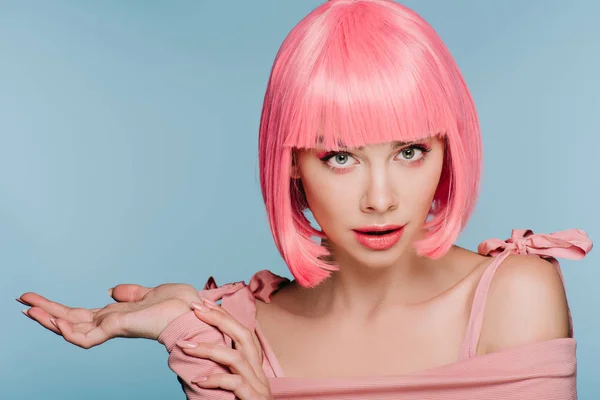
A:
{"points": [[428, 177], [329, 200]]}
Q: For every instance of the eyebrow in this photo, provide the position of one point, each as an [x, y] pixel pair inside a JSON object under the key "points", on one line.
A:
{"points": [[395, 144]]}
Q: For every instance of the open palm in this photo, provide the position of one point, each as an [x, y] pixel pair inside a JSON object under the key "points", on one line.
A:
{"points": [[139, 312]]}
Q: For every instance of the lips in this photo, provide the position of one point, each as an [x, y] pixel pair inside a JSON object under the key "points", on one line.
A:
{"points": [[379, 237]]}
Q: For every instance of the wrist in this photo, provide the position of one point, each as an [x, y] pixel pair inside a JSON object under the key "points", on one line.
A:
{"points": [[185, 326]]}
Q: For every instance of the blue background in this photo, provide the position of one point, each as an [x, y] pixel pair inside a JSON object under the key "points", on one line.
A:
{"points": [[128, 153]]}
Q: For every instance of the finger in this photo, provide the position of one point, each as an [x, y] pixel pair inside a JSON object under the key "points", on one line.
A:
{"points": [[57, 310], [129, 292], [224, 356], [233, 383], [42, 318], [23, 302], [243, 338], [85, 340], [245, 345]]}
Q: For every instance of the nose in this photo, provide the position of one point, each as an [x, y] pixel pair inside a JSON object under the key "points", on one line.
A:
{"points": [[380, 195]]}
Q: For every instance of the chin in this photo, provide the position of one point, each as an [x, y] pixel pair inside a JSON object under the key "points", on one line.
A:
{"points": [[378, 259], [381, 261]]}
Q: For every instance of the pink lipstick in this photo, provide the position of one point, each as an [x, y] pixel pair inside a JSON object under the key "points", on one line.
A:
{"points": [[379, 237]]}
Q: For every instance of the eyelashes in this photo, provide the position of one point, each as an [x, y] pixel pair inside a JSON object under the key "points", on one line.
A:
{"points": [[410, 155], [422, 151], [343, 156]]}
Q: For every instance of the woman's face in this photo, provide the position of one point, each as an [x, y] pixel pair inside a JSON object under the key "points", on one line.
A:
{"points": [[356, 193]]}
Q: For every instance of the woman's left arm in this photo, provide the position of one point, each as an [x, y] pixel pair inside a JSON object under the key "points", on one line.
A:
{"points": [[198, 362]]}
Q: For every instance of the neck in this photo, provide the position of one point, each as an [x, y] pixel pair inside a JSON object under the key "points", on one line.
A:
{"points": [[360, 292]]}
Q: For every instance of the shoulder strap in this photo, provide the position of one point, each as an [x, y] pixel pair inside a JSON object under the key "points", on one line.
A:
{"points": [[473, 331], [572, 244]]}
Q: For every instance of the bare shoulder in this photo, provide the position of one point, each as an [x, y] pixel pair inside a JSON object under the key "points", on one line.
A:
{"points": [[526, 304]]}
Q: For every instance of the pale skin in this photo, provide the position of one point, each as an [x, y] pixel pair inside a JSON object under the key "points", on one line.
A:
{"points": [[353, 320]]}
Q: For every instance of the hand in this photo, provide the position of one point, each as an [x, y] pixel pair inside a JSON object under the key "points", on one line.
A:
{"points": [[140, 312], [248, 380]]}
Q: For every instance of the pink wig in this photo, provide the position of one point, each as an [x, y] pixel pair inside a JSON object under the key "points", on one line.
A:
{"points": [[359, 72]]}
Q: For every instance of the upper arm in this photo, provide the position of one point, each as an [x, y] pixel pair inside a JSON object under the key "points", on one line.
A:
{"points": [[526, 303]]}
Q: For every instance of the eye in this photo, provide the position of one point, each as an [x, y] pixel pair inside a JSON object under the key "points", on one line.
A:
{"points": [[409, 153], [338, 160], [413, 153]]}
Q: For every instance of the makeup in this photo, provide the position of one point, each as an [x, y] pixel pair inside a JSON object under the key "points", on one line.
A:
{"points": [[379, 237], [411, 155]]}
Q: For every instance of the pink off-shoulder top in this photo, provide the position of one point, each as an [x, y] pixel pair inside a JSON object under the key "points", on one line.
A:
{"points": [[543, 370]]}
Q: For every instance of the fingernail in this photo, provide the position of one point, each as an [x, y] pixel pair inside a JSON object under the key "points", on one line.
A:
{"points": [[199, 307], [23, 302], [110, 292], [25, 313], [209, 303], [199, 379], [185, 343], [53, 320]]}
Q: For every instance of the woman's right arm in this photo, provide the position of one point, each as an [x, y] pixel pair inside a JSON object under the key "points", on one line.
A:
{"points": [[162, 313]]}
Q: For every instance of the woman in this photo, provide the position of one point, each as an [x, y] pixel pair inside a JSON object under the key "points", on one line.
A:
{"points": [[368, 124]]}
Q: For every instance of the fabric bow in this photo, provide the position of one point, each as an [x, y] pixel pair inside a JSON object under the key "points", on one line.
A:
{"points": [[262, 282], [238, 298], [573, 244]]}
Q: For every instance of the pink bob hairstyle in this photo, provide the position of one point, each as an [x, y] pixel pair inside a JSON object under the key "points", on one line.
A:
{"points": [[359, 72]]}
